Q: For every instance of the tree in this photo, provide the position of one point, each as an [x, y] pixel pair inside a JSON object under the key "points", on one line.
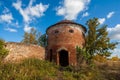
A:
{"points": [[26, 38], [99, 58], [35, 37], [42, 40], [30, 38], [3, 51], [97, 41]]}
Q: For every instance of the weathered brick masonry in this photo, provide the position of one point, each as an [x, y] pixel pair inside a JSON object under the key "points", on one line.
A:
{"points": [[19, 51], [63, 37]]}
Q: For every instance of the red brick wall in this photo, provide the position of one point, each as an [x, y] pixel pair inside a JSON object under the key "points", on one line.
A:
{"points": [[59, 38]]}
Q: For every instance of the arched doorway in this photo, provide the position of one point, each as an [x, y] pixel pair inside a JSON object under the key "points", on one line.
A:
{"points": [[63, 58]]}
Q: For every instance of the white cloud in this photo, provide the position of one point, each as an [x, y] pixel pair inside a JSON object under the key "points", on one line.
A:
{"points": [[85, 14], [116, 51], [110, 14], [31, 2], [27, 28], [11, 29], [17, 6], [114, 33], [30, 12], [6, 18], [71, 8], [101, 20]]}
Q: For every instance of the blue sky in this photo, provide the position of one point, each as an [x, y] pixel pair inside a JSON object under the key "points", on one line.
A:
{"points": [[18, 16]]}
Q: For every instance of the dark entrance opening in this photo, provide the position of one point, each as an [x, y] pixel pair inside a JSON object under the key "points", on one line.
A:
{"points": [[63, 58], [50, 55]]}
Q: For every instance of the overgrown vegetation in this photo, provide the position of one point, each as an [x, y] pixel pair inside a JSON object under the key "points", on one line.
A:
{"points": [[35, 37], [34, 69], [30, 37], [30, 69], [97, 41], [42, 40], [3, 51], [97, 48]]}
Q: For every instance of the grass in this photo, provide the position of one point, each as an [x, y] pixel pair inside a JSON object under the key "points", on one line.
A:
{"points": [[30, 69], [34, 69]]}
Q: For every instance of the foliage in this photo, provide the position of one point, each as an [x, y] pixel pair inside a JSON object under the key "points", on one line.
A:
{"points": [[82, 55], [42, 40], [35, 37], [3, 51], [99, 58], [97, 40], [115, 58], [30, 37]]}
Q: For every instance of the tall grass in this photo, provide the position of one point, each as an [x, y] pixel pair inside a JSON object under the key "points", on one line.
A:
{"points": [[30, 69], [34, 69]]}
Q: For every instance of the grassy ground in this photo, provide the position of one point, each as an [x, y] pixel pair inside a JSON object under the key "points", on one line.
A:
{"points": [[34, 69], [110, 69]]}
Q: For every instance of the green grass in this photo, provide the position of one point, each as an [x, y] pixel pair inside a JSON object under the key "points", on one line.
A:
{"points": [[34, 69], [30, 69]]}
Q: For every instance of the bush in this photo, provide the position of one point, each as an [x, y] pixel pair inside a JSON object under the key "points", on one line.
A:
{"points": [[115, 58], [3, 51], [99, 58]]}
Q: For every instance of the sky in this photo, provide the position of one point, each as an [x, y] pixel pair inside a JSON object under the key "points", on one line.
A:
{"points": [[19, 16]]}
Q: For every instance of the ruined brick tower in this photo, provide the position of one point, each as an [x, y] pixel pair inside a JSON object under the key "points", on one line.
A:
{"points": [[63, 37]]}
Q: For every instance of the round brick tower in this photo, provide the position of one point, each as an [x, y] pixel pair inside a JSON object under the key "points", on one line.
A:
{"points": [[63, 37]]}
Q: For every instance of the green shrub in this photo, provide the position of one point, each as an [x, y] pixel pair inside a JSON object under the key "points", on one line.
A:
{"points": [[3, 51]]}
